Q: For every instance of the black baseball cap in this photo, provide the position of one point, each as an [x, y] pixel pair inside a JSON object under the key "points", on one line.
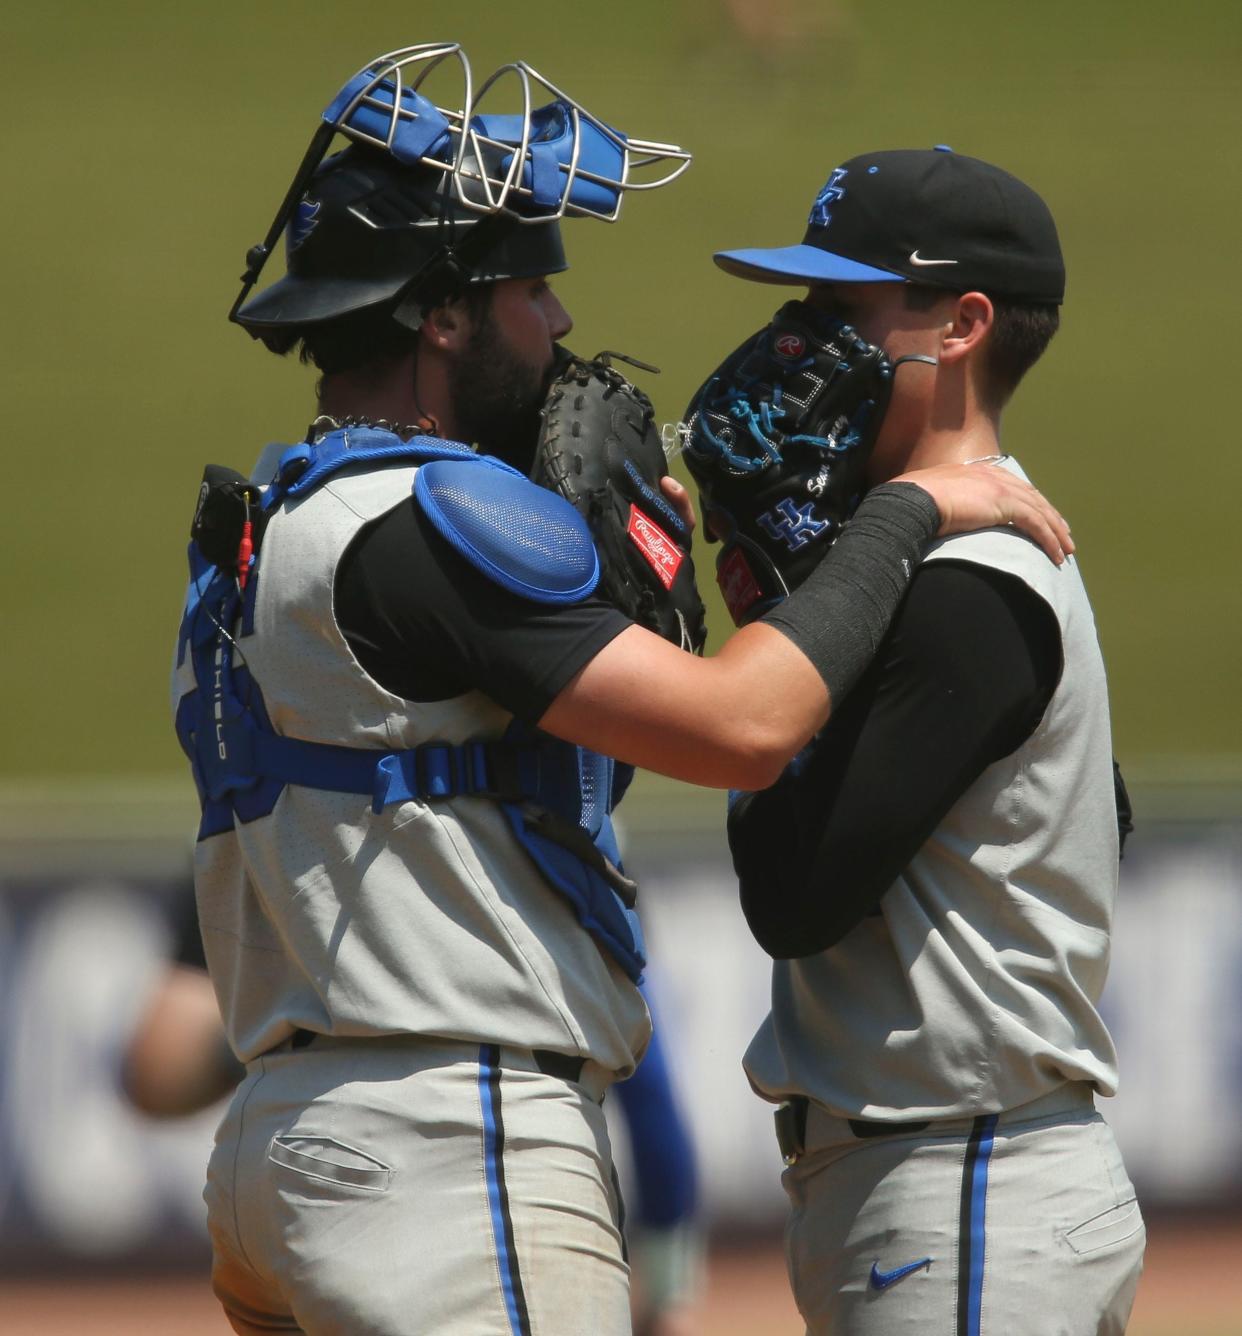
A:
{"points": [[926, 216]]}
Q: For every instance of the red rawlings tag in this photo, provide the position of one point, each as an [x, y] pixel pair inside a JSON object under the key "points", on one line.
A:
{"points": [[790, 345], [663, 555], [737, 583]]}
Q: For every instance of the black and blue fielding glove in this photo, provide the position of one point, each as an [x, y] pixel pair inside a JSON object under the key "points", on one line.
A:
{"points": [[777, 439]]}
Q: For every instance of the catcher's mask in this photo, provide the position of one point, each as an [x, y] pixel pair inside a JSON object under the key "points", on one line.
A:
{"points": [[425, 200]]}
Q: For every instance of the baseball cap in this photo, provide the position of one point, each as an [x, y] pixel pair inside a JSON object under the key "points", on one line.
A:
{"points": [[927, 216]]}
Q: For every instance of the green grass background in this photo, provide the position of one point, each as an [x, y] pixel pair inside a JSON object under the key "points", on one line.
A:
{"points": [[148, 145]]}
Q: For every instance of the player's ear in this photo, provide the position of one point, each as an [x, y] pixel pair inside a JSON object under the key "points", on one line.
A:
{"points": [[447, 327], [970, 324]]}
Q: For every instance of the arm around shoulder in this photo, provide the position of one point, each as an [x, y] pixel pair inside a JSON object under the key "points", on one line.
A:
{"points": [[736, 719], [729, 721]]}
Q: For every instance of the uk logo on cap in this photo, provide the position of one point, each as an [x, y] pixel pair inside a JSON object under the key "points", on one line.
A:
{"points": [[832, 193]]}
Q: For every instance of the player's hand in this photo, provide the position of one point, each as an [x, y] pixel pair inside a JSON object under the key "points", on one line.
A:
{"points": [[978, 496], [679, 498]]}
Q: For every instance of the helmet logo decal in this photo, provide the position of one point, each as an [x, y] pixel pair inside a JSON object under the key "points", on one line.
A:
{"points": [[302, 224], [832, 193]]}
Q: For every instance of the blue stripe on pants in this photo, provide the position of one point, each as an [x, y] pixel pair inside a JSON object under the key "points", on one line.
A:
{"points": [[497, 1195], [971, 1249]]}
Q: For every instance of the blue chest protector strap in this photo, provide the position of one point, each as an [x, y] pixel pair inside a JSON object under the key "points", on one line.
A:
{"points": [[557, 798]]}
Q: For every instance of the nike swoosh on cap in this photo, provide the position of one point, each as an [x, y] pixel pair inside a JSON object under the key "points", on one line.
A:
{"points": [[881, 1280], [916, 258]]}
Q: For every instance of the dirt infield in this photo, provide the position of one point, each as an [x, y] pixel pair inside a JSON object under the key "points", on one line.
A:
{"points": [[1192, 1286]]}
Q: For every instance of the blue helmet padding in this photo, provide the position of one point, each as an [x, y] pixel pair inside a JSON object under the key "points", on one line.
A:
{"points": [[801, 264], [524, 538], [424, 136], [551, 148]]}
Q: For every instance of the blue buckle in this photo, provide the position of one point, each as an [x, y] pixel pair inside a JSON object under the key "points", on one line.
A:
{"points": [[392, 782], [433, 770], [478, 777], [293, 463], [436, 770]]}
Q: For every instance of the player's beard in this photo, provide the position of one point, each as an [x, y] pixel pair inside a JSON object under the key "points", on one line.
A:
{"points": [[496, 398]]}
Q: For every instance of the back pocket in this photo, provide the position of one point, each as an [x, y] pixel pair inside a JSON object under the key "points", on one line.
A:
{"points": [[330, 1161], [1112, 1226]]}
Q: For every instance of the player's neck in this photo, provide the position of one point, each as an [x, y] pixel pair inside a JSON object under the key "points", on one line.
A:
{"points": [[980, 440], [388, 391], [947, 438]]}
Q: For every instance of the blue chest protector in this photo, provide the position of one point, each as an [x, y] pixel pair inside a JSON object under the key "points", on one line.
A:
{"points": [[557, 798]]}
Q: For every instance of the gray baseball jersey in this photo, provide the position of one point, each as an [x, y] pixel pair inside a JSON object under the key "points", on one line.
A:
{"points": [[425, 919], [435, 1157], [976, 989], [942, 1056]]}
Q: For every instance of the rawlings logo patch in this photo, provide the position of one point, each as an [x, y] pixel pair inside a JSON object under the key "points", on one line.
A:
{"points": [[737, 584], [662, 554], [790, 346]]}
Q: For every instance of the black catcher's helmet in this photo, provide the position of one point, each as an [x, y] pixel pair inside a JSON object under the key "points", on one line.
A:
{"points": [[425, 200], [368, 229]]}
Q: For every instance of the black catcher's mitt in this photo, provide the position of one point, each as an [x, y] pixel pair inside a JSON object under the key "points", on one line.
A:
{"points": [[598, 447], [777, 439]]}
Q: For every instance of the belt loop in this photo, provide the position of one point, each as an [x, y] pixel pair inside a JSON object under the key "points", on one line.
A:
{"points": [[790, 1120]]}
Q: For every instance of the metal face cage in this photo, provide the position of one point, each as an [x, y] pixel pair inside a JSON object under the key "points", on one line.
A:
{"points": [[536, 165]]}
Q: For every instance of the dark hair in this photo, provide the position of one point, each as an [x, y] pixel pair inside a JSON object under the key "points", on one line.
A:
{"points": [[365, 337], [1020, 333]]}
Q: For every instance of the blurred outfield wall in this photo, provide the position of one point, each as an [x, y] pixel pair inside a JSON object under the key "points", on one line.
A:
{"points": [[83, 935], [149, 145]]}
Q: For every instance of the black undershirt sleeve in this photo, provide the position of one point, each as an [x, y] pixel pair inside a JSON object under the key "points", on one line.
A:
{"points": [[962, 680], [428, 626]]}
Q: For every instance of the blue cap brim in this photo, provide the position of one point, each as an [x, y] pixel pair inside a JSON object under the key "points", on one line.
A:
{"points": [[801, 264]]}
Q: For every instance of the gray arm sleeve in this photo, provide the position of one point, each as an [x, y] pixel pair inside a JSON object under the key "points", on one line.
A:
{"points": [[842, 611]]}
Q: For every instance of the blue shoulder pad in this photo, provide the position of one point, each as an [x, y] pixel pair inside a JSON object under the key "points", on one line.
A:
{"points": [[304, 466], [528, 540]]}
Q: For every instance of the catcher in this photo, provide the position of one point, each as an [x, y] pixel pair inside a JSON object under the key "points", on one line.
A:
{"points": [[410, 682]]}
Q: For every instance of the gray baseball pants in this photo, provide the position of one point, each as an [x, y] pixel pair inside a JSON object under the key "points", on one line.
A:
{"points": [[403, 1187], [1018, 1224]]}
